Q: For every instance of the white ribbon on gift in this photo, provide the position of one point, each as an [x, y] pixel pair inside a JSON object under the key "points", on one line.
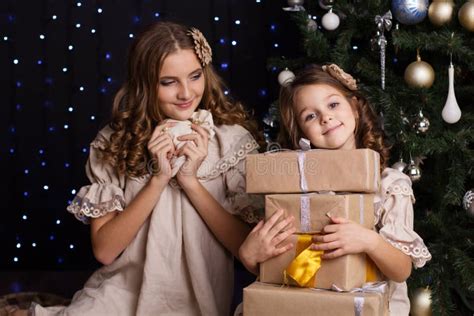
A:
{"points": [[369, 287], [305, 211]]}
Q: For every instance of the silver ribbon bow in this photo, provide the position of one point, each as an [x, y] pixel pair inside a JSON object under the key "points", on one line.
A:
{"points": [[384, 21]]}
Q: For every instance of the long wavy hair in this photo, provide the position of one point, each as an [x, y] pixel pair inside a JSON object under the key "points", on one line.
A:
{"points": [[368, 134], [135, 111]]}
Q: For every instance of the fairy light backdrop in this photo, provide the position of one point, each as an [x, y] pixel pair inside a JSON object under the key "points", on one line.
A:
{"points": [[61, 63]]}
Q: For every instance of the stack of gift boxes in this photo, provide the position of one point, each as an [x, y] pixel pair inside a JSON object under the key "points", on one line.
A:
{"points": [[313, 186]]}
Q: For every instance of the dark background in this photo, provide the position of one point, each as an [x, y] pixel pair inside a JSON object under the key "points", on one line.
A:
{"points": [[61, 64]]}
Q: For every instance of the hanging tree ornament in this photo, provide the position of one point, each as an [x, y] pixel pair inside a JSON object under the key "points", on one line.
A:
{"points": [[466, 16], [421, 302], [421, 124], [413, 171], [419, 74], [451, 112], [410, 11], [285, 77], [311, 25], [440, 12], [468, 202], [383, 22], [330, 20], [399, 165], [295, 6]]}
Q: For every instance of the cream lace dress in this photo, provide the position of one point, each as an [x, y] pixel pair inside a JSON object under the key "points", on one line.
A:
{"points": [[174, 266], [394, 222]]}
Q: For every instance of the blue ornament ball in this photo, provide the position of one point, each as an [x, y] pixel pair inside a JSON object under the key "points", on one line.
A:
{"points": [[410, 11]]}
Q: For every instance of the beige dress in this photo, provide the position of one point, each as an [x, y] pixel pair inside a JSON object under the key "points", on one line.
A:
{"points": [[394, 222], [175, 265]]}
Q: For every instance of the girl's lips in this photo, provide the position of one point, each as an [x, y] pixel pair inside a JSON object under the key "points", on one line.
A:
{"points": [[331, 129], [184, 105]]}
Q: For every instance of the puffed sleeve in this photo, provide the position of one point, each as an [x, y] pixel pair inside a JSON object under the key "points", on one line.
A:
{"points": [[395, 222], [248, 207], [105, 193]]}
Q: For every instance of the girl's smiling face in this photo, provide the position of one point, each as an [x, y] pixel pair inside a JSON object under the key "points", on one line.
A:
{"points": [[180, 85], [325, 117]]}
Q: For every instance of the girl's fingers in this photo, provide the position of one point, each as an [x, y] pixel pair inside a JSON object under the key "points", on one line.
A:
{"points": [[160, 139], [195, 138], [326, 246], [283, 236], [333, 254], [201, 131], [161, 128], [325, 238], [282, 249], [257, 227], [271, 221], [339, 220], [331, 228], [278, 227]]}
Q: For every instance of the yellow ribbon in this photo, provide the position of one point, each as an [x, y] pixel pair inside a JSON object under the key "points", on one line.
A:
{"points": [[306, 264], [370, 270]]}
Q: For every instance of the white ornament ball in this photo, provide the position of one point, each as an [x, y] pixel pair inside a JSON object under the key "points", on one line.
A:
{"points": [[285, 77], [330, 21]]}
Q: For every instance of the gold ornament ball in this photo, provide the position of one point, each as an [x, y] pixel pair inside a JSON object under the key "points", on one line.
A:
{"points": [[421, 302], [440, 12], [466, 16], [419, 74]]}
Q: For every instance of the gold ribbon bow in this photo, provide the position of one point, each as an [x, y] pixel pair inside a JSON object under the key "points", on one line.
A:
{"points": [[306, 264]]}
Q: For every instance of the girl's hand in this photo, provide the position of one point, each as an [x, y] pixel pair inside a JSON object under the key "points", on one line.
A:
{"points": [[344, 237], [161, 149], [195, 151], [264, 241]]}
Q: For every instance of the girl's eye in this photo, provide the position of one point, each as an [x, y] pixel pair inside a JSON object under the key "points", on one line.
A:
{"points": [[333, 105], [166, 82], [196, 76], [310, 117]]}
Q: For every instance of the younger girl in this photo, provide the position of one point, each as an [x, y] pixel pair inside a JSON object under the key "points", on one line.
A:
{"points": [[323, 105], [167, 243]]}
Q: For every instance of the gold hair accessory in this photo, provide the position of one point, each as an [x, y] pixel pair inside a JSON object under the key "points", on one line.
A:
{"points": [[201, 46], [336, 72]]}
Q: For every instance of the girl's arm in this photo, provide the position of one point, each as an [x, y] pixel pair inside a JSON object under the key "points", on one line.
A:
{"points": [[346, 237], [112, 233]]}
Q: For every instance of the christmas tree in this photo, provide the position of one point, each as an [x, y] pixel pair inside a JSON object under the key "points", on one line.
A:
{"points": [[378, 42]]}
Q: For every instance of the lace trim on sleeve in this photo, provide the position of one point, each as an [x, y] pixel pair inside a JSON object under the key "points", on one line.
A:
{"points": [[416, 250], [83, 209], [231, 160], [401, 189]]}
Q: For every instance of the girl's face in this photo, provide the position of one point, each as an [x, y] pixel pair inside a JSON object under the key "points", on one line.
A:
{"points": [[325, 117], [180, 85]]}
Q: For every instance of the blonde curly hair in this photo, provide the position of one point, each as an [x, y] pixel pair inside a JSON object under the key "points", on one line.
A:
{"points": [[135, 113], [368, 134]]}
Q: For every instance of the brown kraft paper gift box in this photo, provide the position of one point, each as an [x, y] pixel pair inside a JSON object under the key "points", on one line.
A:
{"points": [[270, 300], [355, 170], [346, 272]]}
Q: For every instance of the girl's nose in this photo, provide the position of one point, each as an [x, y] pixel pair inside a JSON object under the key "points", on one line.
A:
{"points": [[326, 118], [184, 93]]}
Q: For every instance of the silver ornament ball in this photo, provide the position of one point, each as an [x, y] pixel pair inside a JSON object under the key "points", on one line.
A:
{"points": [[421, 124], [285, 77], [413, 171], [410, 11], [399, 165], [330, 21], [293, 3], [468, 202]]}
